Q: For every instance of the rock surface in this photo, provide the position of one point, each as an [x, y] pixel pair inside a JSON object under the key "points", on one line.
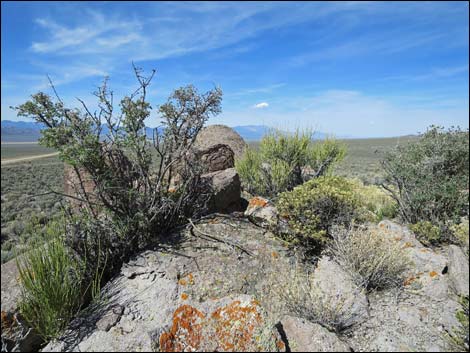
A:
{"points": [[224, 189], [337, 288], [262, 212], [220, 134], [216, 157], [305, 336], [206, 290], [213, 283], [458, 270]]}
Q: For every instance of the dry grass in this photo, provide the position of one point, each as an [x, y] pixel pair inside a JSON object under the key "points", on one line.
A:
{"points": [[372, 260]]}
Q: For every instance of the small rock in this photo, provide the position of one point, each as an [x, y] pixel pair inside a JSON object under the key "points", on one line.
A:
{"points": [[262, 212], [306, 336], [110, 319]]}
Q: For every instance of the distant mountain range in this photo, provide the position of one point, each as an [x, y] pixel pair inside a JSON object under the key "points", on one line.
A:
{"points": [[29, 131]]}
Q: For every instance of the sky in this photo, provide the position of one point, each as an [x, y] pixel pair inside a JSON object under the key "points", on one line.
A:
{"points": [[357, 69]]}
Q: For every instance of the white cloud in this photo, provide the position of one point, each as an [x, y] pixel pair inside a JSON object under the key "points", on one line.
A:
{"points": [[261, 105]]}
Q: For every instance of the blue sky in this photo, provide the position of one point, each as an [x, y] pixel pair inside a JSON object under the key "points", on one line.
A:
{"points": [[349, 68]]}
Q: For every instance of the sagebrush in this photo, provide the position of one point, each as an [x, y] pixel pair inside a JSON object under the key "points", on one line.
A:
{"points": [[283, 161]]}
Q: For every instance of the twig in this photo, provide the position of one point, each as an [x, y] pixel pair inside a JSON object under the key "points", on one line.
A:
{"points": [[226, 242]]}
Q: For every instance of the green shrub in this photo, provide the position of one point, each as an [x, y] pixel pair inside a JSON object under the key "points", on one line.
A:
{"points": [[52, 283], [277, 164], [460, 233], [427, 232], [128, 203], [429, 178], [375, 200], [373, 260], [459, 337], [312, 208]]}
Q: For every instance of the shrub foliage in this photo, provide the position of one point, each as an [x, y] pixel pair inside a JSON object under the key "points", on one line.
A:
{"points": [[313, 208], [132, 202], [429, 178], [278, 164]]}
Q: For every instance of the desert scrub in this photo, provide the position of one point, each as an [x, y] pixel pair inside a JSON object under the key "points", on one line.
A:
{"points": [[373, 260], [51, 283], [458, 338], [429, 178], [312, 208], [375, 201], [427, 232], [278, 164], [303, 297], [460, 233]]}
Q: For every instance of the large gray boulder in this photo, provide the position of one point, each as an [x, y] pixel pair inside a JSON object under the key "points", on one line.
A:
{"points": [[220, 134], [216, 157], [306, 336]]}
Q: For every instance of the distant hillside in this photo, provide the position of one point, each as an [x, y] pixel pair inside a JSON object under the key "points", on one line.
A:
{"points": [[28, 131]]}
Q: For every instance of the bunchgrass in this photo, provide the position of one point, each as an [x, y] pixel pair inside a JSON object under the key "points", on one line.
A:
{"points": [[52, 283]]}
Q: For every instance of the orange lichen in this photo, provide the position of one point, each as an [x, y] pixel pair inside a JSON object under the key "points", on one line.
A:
{"points": [[230, 328], [186, 330], [229, 335], [280, 345], [182, 282], [433, 274], [191, 279], [172, 190], [275, 255], [257, 202], [409, 280], [397, 238], [184, 296], [407, 245]]}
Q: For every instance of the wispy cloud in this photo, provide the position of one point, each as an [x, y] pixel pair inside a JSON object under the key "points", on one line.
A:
{"points": [[261, 105]]}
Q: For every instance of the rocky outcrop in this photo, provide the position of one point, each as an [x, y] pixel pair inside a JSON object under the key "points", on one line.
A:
{"points": [[305, 336], [201, 292], [210, 288], [220, 134]]}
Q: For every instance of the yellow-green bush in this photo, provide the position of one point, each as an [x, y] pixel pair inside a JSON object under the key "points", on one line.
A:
{"points": [[312, 208], [427, 232], [459, 336], [460, 233], [375, 201], [276, 166]]}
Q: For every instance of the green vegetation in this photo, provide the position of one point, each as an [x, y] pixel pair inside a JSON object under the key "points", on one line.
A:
{"points": [[281, 159], [429, 178], [313, 208], [22, 207], [20, 150], [459, 337], [372, 259], [427, 232], [51, 278]]}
